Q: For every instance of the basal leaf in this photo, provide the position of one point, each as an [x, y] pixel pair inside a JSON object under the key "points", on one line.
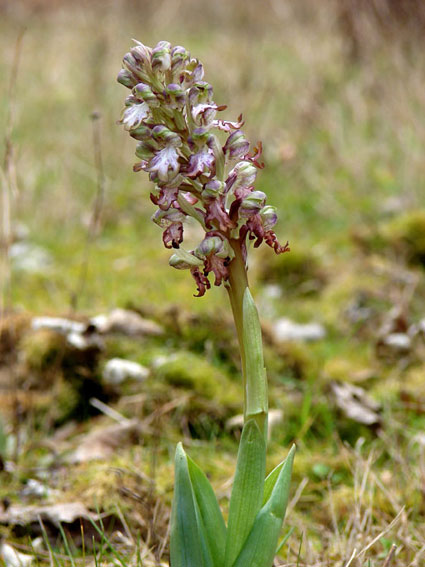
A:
{"points": [[188, 546], [271, 479], [260, 547], [210, 514], [247, 492]]}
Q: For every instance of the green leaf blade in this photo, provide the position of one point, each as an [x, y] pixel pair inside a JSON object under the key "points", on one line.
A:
{"points": [[272, 477], [188, 546], [247, 492], [210, 513], [260, 547], [256, 380]]}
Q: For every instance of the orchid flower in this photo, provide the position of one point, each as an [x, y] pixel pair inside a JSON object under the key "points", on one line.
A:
{"points": [[172, 115]]}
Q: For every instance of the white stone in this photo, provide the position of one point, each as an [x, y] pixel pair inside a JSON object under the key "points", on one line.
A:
{"points": [[287, 330], [58, 324], [30, 257], [397, 341], [126, 322], [74, 331], [118, 370], [13, 558]]}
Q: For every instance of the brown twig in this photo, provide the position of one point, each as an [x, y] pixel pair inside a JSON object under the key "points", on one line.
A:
{"points": [[94, 224]]}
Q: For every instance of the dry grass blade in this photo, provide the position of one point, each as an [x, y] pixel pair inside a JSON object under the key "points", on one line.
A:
{"points": [[94, 223], [353, 555], [380, 535], [390, 556], [8, 179]]}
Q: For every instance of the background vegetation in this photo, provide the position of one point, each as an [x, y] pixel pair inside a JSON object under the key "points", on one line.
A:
{"points": [[335, 92]]}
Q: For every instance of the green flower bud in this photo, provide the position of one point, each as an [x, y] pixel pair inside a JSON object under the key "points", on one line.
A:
{"points": [[212, 189], [142, 54], [236, 145], [253, 203], [179, 56], [133, 67], [268, 217], [146, 150], [144, 92], [175, 95], [141, 133], [161, 56], [126, 78], [183, 260], [210, 245], [245, 173], [194, 72], [199, 137], [165, 218], [165, 136], [201, 92]]}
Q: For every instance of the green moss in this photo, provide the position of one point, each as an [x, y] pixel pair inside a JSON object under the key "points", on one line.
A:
{"points": [[406, 235], [43, 351], [297, 272], [289, 361], [192, 372]]}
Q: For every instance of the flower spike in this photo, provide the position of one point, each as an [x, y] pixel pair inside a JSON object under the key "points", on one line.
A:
{"points": [[172, 114]]}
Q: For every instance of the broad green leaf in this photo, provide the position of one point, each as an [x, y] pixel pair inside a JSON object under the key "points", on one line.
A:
{"points": [[188, 546], [256, 381], [259, 550], [272, 477], [261, 544], [271, 480], [247, 492], [209, 510]]}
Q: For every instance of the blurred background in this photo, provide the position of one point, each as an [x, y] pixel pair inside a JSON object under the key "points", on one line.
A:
{"points": [[335, 91]]}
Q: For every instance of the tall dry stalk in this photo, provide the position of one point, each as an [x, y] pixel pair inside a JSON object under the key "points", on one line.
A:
{"points": [[8, 182]]}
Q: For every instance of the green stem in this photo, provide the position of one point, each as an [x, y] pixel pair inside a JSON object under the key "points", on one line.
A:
{"points": [[238, 282], [250, 343]]}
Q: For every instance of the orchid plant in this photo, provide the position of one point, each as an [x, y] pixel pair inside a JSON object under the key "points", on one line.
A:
{"points": [[172, 115]]}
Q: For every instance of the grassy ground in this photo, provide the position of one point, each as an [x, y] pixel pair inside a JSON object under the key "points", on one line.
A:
{"points": [[344, 142]]}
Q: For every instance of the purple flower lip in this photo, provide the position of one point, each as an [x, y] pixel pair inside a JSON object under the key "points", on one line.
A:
{"points": [[134, 115], [165, 164]]}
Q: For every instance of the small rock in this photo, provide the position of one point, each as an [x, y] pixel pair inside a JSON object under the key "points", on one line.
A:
{"points": [[356, 404], [398, 341], [85, 341], [126, 322], [30, 257], [102, 444], [118, 370], [58, 324], [235, 422], [287, 330], [13, 558], [35, 488], [78, 335], [272, 291], [393, 345]]}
